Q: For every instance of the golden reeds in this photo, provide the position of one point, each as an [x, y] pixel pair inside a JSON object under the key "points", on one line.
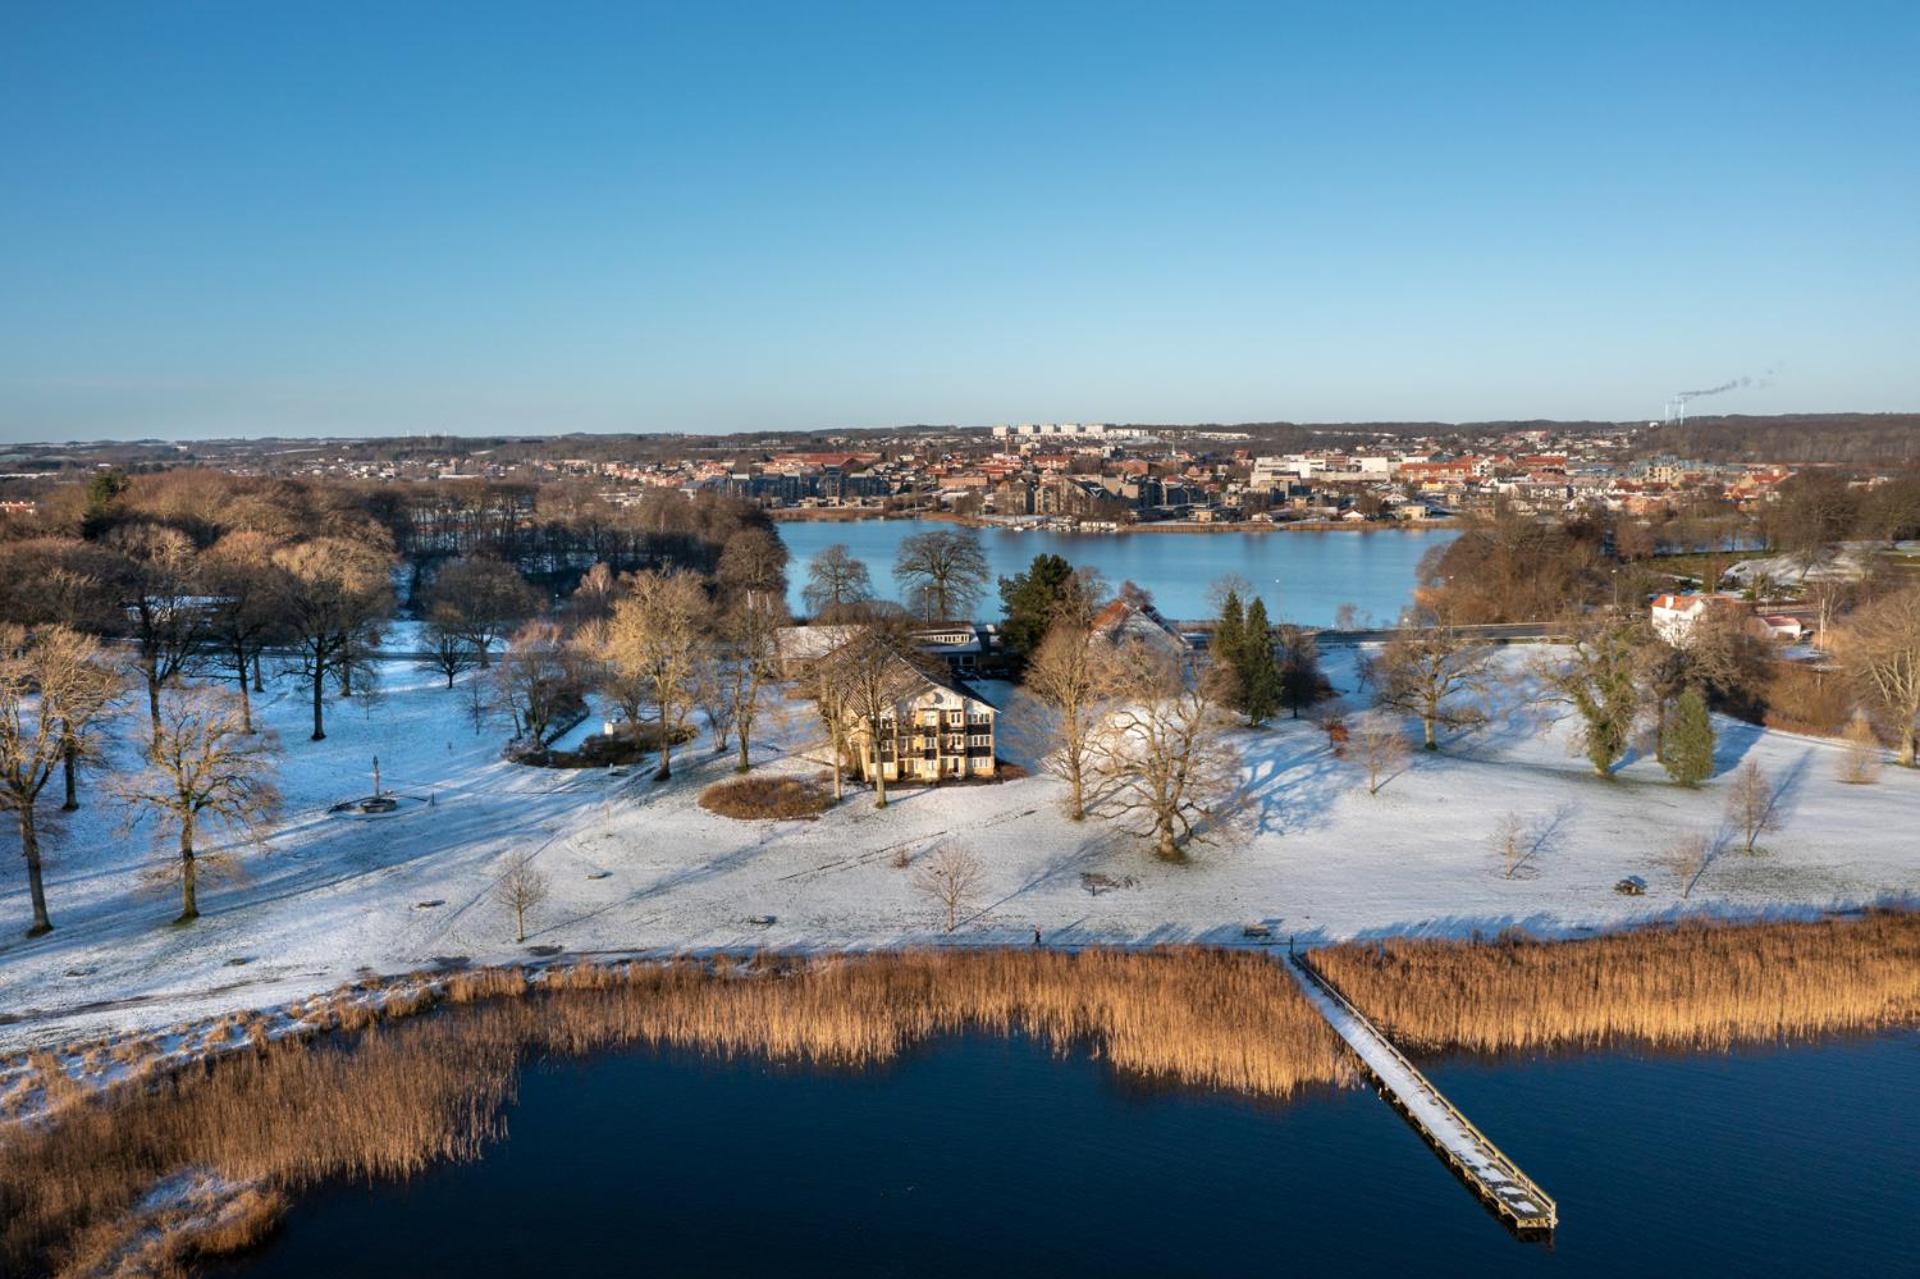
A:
{"points": [[1691, 985], [400, 1094]]}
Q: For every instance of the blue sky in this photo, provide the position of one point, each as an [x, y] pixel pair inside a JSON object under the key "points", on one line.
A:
{"points": [[301, 218]]}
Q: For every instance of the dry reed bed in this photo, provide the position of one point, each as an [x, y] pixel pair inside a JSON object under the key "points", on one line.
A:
{"points": [[1694, 985], [392, 1097]]}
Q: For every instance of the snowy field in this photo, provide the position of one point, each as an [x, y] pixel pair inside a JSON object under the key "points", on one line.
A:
{"points": [[637, 867]]}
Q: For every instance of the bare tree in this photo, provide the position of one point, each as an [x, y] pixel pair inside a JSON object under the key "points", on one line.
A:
{"points": [[521, 889], [655, 637], [1510, 842], [836, 581], [944, 573], [1752, 804], [1166, 754], [1860, 759], [744, 663], [1071, 673], [951, 877], [248, 593], [753, 568], [538, 679], [875, 669], [53, 683], [164, 607], [207, 770], [1428, 672], [1688, 857], [1381, 747], [1880, 648], [709, 695], [821, 682], [481, 599], [480, 704], [337, 593], [449, 647]]}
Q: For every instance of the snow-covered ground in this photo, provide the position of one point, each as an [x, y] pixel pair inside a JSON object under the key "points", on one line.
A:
{"points": [[637, 867]]}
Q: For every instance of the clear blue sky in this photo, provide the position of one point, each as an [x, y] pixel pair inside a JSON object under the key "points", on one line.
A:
{"points": [[294, 218]]}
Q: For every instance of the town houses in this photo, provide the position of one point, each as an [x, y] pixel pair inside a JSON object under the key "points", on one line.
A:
{"points": [[1087, 477]]}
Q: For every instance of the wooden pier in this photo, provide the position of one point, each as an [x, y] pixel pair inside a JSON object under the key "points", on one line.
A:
{"points": [[1479, 1163]]}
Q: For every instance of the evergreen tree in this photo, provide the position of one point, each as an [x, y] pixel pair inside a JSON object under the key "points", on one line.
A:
{"points": [[1031, 600], [1686, 746], [1260, 684], [1228, 648]]}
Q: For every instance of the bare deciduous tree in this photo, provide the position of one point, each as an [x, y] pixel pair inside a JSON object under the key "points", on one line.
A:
{"points": [[448, 650], [874, 669], [1166, 754], [538, 678], [836, 582], [54, 682], [655, 638], [1881, 650], [1428, 672], [753, 567], [337, 593], [1509, 842], [206, 770], [480, 599], [1072, 672], [521, 889], [1380, 746], [1753, 804], [158, 582], [1688, 857], [821, 683], [249, 592], [944, 572], [951, 877], [745, 663], [1860, 759]]}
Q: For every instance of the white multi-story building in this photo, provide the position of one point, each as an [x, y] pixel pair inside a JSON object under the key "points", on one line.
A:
{"points": [[1066, 431]]}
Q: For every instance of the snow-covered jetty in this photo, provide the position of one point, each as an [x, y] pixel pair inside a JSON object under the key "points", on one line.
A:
{"points": [[1477, 1161]]}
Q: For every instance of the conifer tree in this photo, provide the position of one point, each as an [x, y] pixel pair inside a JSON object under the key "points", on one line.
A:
{"points": [[1229, 643], [1686, 746], [1260, 684]]}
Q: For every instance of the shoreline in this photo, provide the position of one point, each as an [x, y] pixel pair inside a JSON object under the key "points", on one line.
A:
{"points": [[405, 992], [852, 516]]}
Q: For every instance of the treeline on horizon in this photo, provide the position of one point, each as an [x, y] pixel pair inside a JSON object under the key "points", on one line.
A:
{"points": [[1838, 439]]}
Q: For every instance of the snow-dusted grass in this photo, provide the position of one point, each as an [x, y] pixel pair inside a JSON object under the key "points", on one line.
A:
{"points": [[638, 867]]}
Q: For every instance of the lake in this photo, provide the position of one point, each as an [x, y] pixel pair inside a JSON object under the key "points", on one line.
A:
{"points": [[1304, 577], [979, 1154]]}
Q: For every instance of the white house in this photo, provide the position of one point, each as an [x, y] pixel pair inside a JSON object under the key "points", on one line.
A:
{"points": [[1674, 617]]}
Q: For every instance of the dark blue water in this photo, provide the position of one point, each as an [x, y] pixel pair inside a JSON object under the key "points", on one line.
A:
{"points": [[1304, 577], [990, 1156]]}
